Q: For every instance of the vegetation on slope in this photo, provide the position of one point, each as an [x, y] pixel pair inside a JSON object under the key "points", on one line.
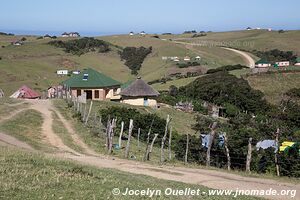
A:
{"points": [[276, 55], [134, 57], [82, 45]]}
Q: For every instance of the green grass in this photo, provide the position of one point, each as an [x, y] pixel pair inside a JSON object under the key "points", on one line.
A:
{"points": [[26, 126], [34, 176], [59, 129], [249, 40], [274, 85], [10, 105]]}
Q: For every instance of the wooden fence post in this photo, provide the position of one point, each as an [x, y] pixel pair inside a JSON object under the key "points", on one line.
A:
{"points": [[210, 142], [129, 137], [227, 152], [249, 155], [111, 135], [276, 153], [151, 146], [186, 149], [88, 115], [148, 142], [138, 138], [170, 141], [120, 136], [162, 152], [107, 133]]}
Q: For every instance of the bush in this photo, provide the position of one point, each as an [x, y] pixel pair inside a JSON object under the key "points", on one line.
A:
{"points": [[140, 120], [226, 68], [276, 55], [294, 93], [82, 45], [188, 64], [220, 88], [134, 57]]}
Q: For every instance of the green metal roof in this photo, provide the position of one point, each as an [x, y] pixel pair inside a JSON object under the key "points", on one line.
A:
{"points": [[94, 80], [262, 61], [298, 60]]}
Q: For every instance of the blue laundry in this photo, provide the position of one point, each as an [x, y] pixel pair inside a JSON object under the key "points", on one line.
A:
{"points": [[221, 140], [205, 140], [265, 144]]}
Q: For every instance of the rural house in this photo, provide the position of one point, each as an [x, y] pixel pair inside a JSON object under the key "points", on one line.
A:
{"points": [[297, 62], [62, 72], [186, 58], [71, 34], [282, 64], [96, 85], [131, 33], [139, 93], [262, 63], [25, 92]]}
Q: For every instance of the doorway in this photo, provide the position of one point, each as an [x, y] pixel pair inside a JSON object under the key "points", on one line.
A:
{"points": [[89, 94]]}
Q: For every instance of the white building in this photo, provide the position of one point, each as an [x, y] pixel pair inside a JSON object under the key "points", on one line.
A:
{"points": [[71, 34], [186, 58], [262, 63], [198, 58], [142, 33], [283, 64], [131, 33], [62, 72]]}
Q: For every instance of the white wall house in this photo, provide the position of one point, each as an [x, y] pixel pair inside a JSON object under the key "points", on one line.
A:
{"points": [[186, 58], [283, 64], [262, 64], [62, 72], [71, 34], [297, 62]]}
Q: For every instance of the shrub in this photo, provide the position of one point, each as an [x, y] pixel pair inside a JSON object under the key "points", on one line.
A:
{"points": [[226, 68], [134, 57], [82, 45]]}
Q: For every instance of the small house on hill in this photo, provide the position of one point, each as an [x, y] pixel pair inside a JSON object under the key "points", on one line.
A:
{"points": [[25, 92], [71, 34], [131, 33], [283, 63], [262, 63], [297, 62], [139, 93], [186, 58], [96, 85]]}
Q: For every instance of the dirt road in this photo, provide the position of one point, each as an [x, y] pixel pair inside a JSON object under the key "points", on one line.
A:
{"points": [[210, 178], [249, 60]]}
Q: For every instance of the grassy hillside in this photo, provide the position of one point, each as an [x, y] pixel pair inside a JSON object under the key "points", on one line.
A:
{"points": [[36, 62], [275, 85], [248, 40]]}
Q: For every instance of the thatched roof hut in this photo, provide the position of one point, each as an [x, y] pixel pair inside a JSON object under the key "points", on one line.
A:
{"points": [[139, 93], [139, 88]]}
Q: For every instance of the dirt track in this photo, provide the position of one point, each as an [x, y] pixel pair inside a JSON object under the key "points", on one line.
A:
{"points": [[210, 178]]}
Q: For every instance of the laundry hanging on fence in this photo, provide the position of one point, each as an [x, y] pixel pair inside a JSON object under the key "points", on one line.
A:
{"points": [[285, 146], [221, 140], [205, 140], [265, 144]]}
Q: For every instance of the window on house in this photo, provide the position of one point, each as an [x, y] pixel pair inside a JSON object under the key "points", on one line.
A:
{"points": [[96, 94], [78, 92]]}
